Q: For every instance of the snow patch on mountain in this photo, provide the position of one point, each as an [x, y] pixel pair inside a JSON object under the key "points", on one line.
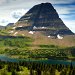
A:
{"points": [[59, 37], [34, 27], [31, 32], [49, 36], [20, 26]]}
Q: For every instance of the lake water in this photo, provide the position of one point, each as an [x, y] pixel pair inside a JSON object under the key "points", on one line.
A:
{"points": [[49, 61]]}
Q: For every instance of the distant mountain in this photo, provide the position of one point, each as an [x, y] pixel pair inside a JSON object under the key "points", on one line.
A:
{"points": [[10, 24], [2, 27], [43, 17]]}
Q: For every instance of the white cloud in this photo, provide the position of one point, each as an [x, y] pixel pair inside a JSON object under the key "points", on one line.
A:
{"points": [[2, 1], [52, 1], [3, 21], [70, 24], [61, 1], [64, 16], [64, 9], [58, 1], [12, 17], [6, 1], [18, 13]]}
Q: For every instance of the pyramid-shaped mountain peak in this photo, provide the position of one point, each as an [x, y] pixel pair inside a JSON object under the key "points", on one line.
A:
{"points": [[44, 18]]}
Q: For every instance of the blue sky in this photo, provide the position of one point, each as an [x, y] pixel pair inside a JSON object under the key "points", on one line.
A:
{"points": [[12, 10]]}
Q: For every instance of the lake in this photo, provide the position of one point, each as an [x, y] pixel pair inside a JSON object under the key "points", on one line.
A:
{"points": [[49, 61]]}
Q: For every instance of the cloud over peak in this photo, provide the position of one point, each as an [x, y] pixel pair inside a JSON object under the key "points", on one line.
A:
{"points": [[18, 13]]}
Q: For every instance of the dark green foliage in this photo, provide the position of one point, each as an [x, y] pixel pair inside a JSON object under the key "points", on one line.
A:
{"points": [[48, 46], [38, 68], [63, 73], [1, 65], [14, 72], [13, 66], [72, 51], [18, 42]]}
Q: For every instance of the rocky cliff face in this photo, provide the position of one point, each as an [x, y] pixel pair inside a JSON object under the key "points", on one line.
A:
{"points": [[44, 18]]}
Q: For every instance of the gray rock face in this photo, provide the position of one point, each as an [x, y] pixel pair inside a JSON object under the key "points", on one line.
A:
{"points": [[43, 17], [10, 24], [2, 27]]}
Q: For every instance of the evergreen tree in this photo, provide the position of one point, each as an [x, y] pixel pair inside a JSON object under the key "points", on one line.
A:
{"points": [[14, 72]]}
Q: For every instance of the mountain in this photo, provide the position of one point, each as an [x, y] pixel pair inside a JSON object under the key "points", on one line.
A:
{"points": [[43, 17], [43, 25], [2, 27], [10, 24]]}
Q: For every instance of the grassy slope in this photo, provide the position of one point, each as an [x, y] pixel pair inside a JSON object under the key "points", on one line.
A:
{"points": [[22, 48]]}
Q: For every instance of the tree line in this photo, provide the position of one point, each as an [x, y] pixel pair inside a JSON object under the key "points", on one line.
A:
{"points": [[36, 68]]}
